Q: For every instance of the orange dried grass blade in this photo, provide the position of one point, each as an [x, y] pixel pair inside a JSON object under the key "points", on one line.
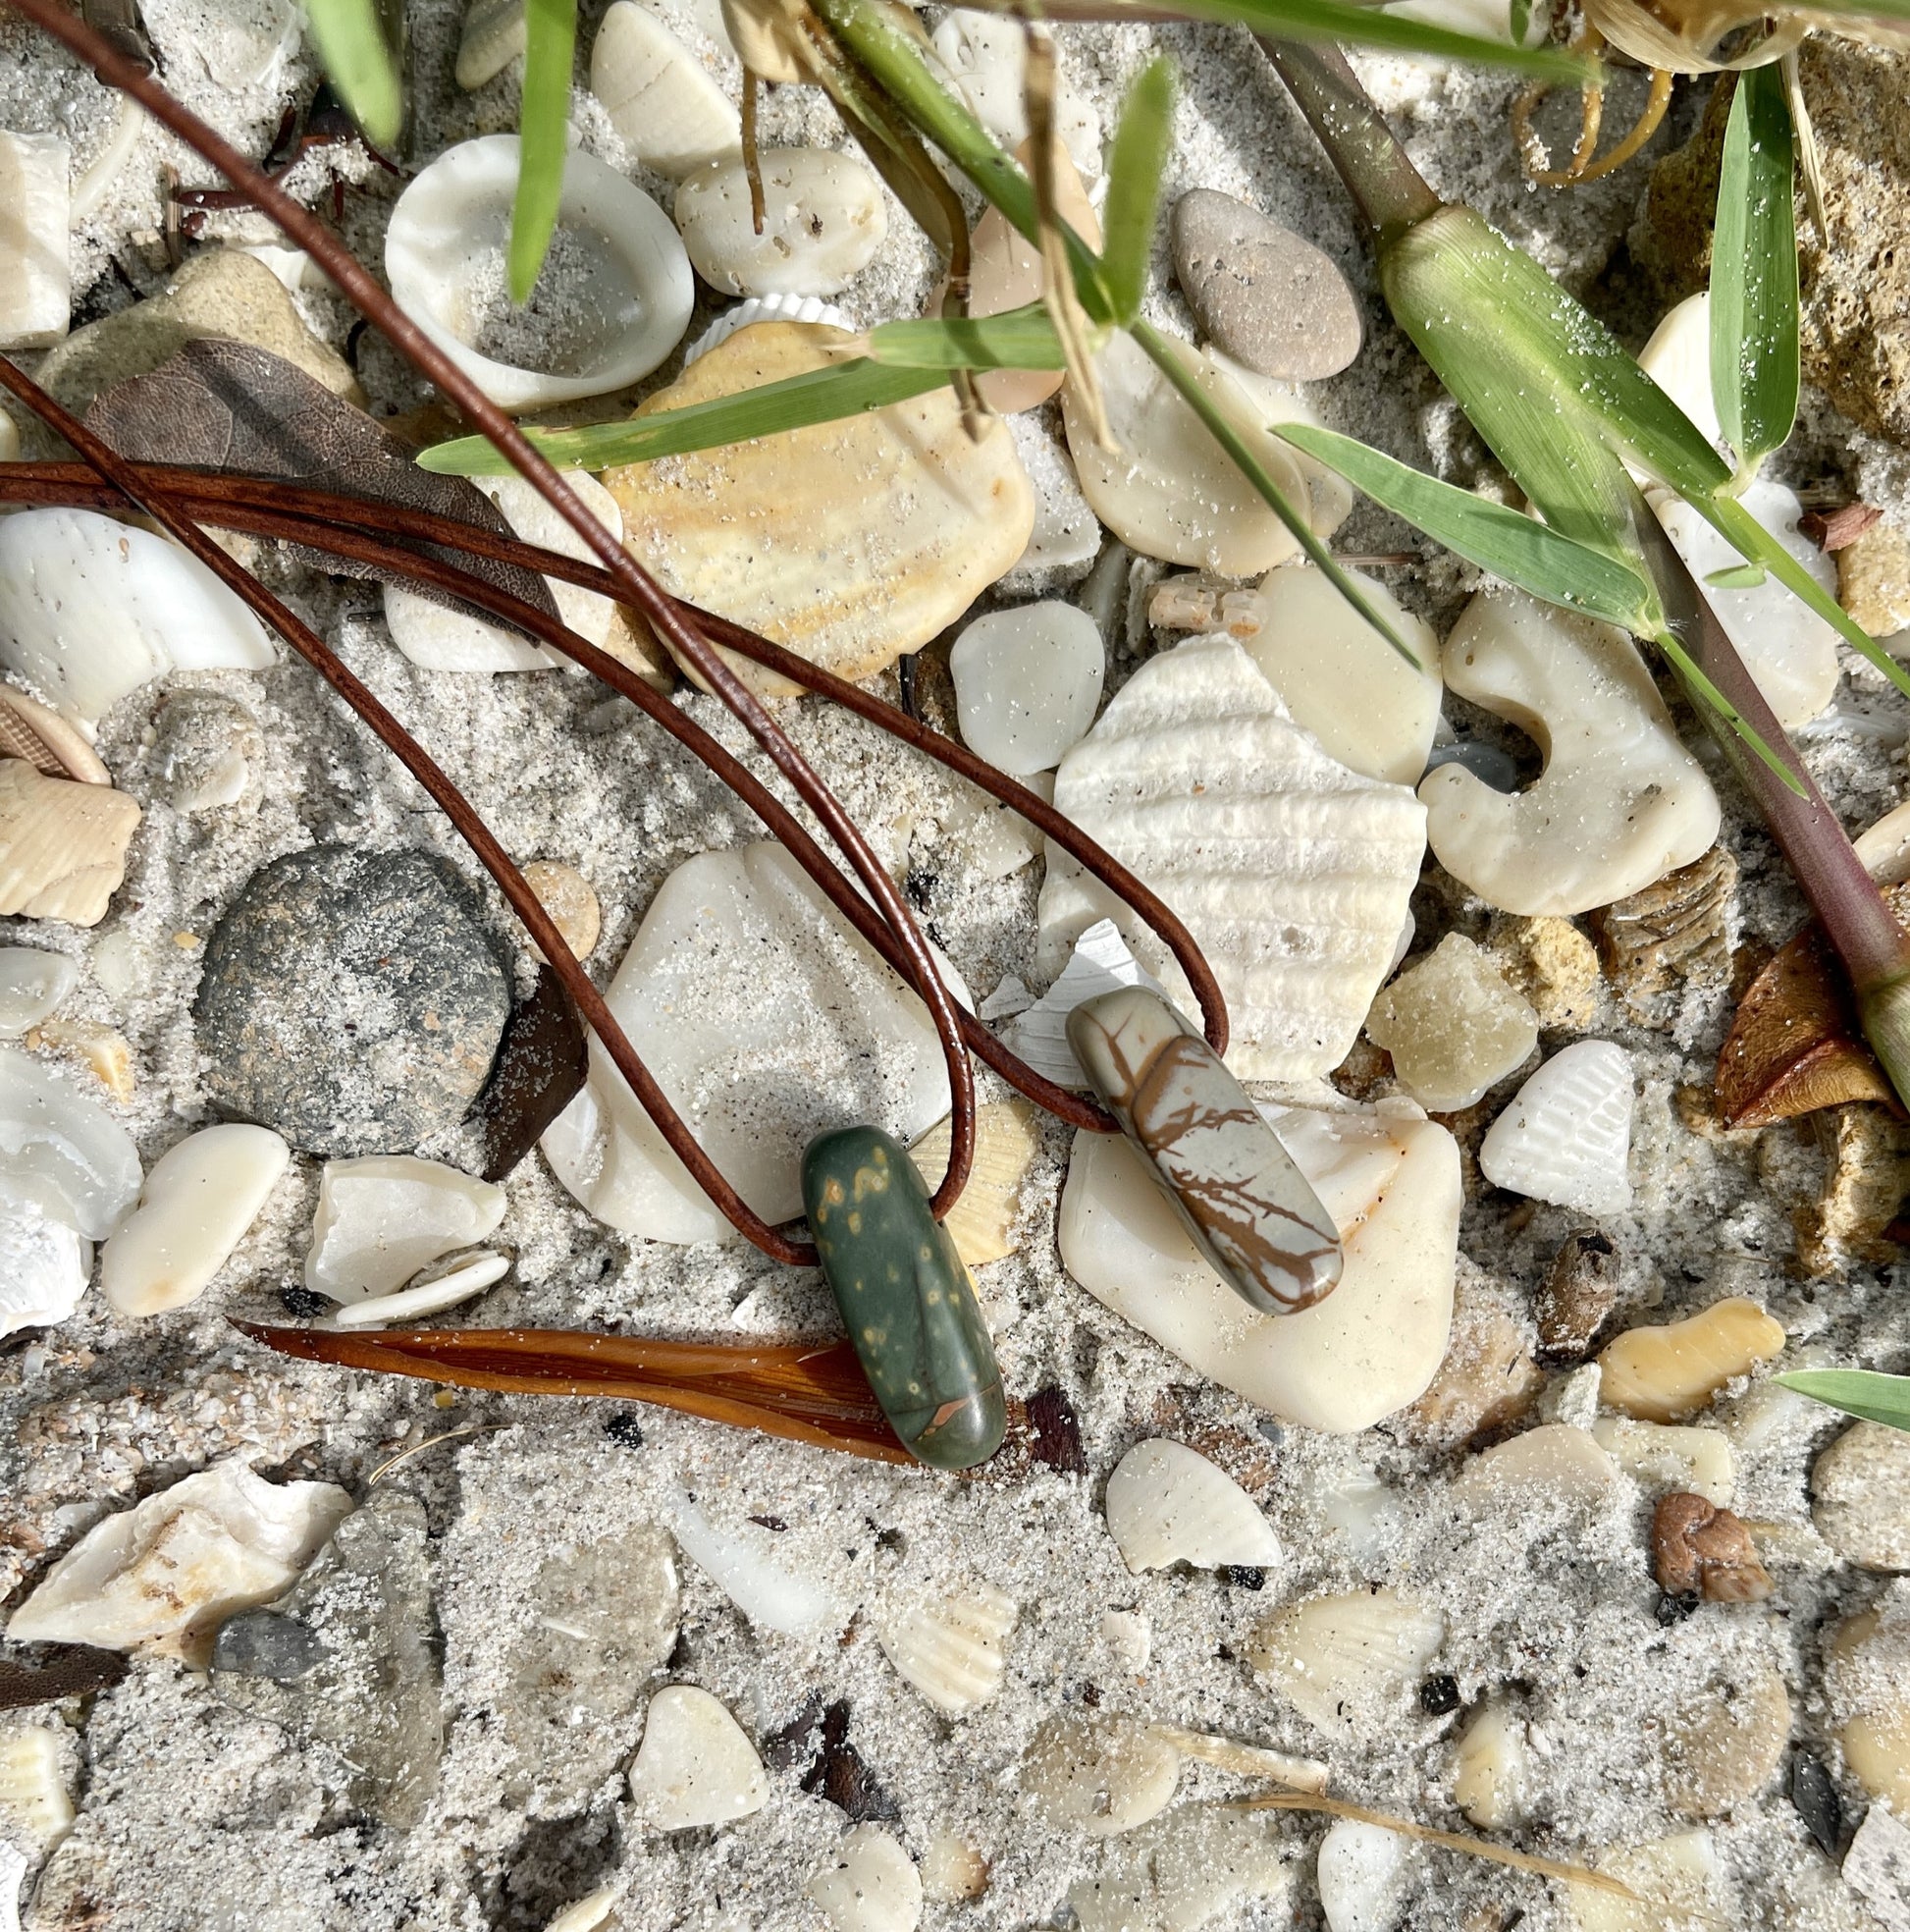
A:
{"points": [[815, 1393]]}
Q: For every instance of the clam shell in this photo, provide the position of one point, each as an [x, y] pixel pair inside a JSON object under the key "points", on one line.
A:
{"points": [[1007, 1139], [1566, 1136], [871, 1885], [1348, 1662], [672, 114], [35, 292], [50, 744], [950, 1648], [695, 1766], [822, 221], [1166, 1505], [1292, 872], [62, 845], [1489, 1766], [64, 1148], [812, 309], [33, 1797]]}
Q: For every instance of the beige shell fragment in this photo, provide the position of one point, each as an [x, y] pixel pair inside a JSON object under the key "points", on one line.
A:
{"points": [[50, 743], [671, 114], [34, 1804], [62, 845], [849, 542], [1007, 1139], [1348, 1662], [1665, 1373], [1291, 870], [950, 1647]]}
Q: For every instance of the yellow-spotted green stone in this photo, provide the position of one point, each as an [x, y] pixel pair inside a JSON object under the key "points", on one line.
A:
{"points": [[905, 1296]]}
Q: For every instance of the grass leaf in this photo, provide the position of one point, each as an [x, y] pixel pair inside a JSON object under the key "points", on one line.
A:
{"points": [[1737, 576], [818, 395], [543, 135], [1701, 690], [1754, 273], [1856, 1391], [360, 64], [1134, 176], [1511, 545], [1020, 339]]}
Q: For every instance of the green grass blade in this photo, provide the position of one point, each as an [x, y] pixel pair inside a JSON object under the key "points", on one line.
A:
{"points": [[819, 395], [543, 135], [1754, 369], [359, 63], [1366, 26], [1020, 339], [1508, 543], [1703, 690], [1134, 176], [1856, 1391]]}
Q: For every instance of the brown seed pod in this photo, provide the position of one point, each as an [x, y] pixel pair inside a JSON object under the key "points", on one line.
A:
{"points": [[1701, 1550]]}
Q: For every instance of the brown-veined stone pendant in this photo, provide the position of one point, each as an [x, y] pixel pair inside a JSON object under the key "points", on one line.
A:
{"points": [[1250, 1210], [905, 1296]]}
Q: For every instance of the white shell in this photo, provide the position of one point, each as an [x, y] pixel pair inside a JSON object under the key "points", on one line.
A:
{"points": [[1362, 1876], [32, 984], [12, 1875], [493, 36], [34, 1799], [1683, 1877], [984, 55], [759, 1061], [1348, 1662], [173, 1568], [1130, 1635], [1292, 872], [1099, 963], [429, 1294], [1566, 1136], [1098, 1773], [588, 1914], [1877, 1867], [1166, 1504], [745, 1564], [35, 290], [1490, 1766], [90, 608], [1194, 1868], [383, 1217], [1067, 535], [1557, 1464], [823, 222], [199, 1199], [1621, 802], [438, 638], [62, 1149], [952, 1870], [672, 115], [1027, 683], [444, 257], [1677, 359], [62, 845], [870, 1886], [695, 1766], [44, 1265], [950, 1647], [1662, 1456], [812, 309], [1391, 1182]]}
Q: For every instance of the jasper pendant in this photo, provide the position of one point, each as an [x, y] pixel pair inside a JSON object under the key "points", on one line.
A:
{"points": [[905, 1296], [1250, 1209]]}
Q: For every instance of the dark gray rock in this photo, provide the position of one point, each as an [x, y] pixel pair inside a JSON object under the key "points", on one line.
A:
{"points": [[352, 1001], [1260, 292], [263, 1643]]}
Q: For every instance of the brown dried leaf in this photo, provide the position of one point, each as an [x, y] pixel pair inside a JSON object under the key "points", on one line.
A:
{"points": [[70, 1669], [1839, 528], [542, 1063]]}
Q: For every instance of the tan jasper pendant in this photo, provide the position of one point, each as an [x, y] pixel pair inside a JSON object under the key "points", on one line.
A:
{"points": [[1248, 1207]]}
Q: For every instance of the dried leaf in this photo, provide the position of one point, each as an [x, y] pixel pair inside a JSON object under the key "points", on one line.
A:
{"points": [[70, 1669], [1839, 528], [542, 1063], [814, 1394], [226, 406]]}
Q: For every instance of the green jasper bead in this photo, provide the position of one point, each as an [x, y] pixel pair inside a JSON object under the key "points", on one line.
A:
{"points": [[905, 1296]]}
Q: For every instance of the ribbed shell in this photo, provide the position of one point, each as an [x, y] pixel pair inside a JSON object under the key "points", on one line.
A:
{"points": [[1566, 1136], [1166, 1504], [33, 1799], [950, 1648], [62, 845], [1007, 1138], [769, 308], [1342, 1659]]}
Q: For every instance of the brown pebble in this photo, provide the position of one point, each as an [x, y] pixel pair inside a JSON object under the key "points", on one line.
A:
{"points": [[1700, 1549], [1577, 1296]]}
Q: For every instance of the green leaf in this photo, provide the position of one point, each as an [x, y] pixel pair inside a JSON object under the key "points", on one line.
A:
{"points": [[1518, 20], [360, 64], [819, 395], [1508, 543], [1019, 339], [1134, 176], [1702, 691], [543, 135], [1754, 273], [1736, 576], [1367, 26], [1856, 1391]]}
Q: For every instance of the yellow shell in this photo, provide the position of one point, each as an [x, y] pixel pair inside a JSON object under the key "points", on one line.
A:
{"points": [[850, 541], [981, 1224], [62, 845]]}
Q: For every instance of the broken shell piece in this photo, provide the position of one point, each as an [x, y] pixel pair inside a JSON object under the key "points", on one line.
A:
{"points": [[165, 1574], [61, 1148], [1659, 1457], [811, 310], [1361, 1873], [1007, 1140], [1167, 1505], [197, 1202], [1453, 1025], [950, 1648], [1348, 1662], [1103, 1775], [565, 895], [34, 1804], [1556, 1463], [44, 1265], [1724, 1744], [985, 56], [1130, 1635], [206, 750], [1566, 1136], [1488, 1378], [106, 1054], [1674, 1883], [494, 35], [51, 744], [1027, 683], [1663, 1373], [1099, 963], [672, 115], [952, 1870], [444, 257], [32, 984], [1195, 1867], [1678, 929], [823, 222], [1868, 1686], [91, 609], [745, 1564], [1620, 801], [589, 1915], [1699, 1549], [442, 1285], [62, 845], [381, 1218], [1491, 1765], [1677, 359], [870, 1886], [1548, 962], [695, 1766], [1860, 1497], [35, 289]]}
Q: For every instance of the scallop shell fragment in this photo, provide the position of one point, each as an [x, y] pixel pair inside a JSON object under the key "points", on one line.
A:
{"points": [[1007, 1140], [812, 309], [695, 1766], [1166, 1504], [1098, 1773], [1566, 1136], [672, 115], [950, 1648], [62, 845], [1346, 1662], [34, 1802]]}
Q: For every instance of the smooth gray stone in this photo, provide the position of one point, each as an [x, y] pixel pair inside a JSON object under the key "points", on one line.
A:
{"points": [[494, 37], [1262, 293], [1249, 1208], [263, 1643], [1487, 763]]}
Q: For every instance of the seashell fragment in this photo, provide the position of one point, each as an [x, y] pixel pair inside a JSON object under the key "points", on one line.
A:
{"points": [[1292, 872], [1867, 1682], [430, 1291], [106, 1054], [566, 896], [383, 1216], [1195, 1867], [809, 309], [1674, 1883], [1166, 1505], [1620, 801], [32, 984], [950, 1649], [1657, 1456], [1663, 1373], [1678, 929], [589, 1915], [1453, 1025], [34, 1804], [1677, 359], [208, 749], [915, 519], [1100, 1774], [1348, 1662], [165, 1574], [35, 287], [870, 1886], [62, 845], [1027, 683], [672, 115], [1007, 1140], [1877, 1867], [48, 742], [1723, 1744], [44, 1264], [745, 1566], [823, 222], [1860, 1497], [1566, 1136], [1488, 1378], [444, 257], [985, 55], [1361, 1873], [63, 1150], [1556, 1463], [1491, 1765], [493, 36], [952, 1870], [1067, 536], [1099, 963], [695, 1766]]}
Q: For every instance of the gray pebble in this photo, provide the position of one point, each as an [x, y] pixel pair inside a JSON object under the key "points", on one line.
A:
{"points": [[263, 1643], [351, 1000], [1487, 763], [1260, 292]]}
